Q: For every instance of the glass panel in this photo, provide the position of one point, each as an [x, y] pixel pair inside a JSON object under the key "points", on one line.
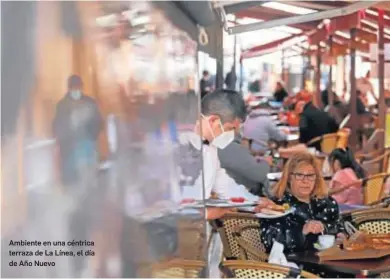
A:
{"points": [[95, 166]]}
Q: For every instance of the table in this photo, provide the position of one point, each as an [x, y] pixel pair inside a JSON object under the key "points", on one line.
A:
{"points": [[347, 207], [292, 129], [358, 268], [292, 137]]}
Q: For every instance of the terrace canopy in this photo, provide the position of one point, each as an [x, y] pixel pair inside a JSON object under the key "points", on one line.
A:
{"points": [[326, 29]]}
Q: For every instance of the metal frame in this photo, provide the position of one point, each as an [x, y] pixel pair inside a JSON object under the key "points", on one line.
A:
{"points": [[302, 18]]}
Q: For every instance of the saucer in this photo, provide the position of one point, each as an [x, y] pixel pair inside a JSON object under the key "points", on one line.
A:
{"points": [[319, 247]]}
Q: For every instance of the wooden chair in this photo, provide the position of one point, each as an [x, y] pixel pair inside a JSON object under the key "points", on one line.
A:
{"points": [[373, 221], [343, 138], [179, 268], [362, 157], [229, 228], [249, 242], [374, 188], [328, 142], [253, 269], [380, 164]]}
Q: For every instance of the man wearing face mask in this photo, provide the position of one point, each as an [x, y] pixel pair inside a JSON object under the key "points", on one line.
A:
{"points": [[76, 126], [222, 113]]}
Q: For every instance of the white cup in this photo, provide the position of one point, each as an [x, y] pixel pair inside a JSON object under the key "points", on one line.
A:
{"points": [[326, 240]]}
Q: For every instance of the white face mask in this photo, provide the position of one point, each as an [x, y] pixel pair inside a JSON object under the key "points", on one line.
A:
{"points": [[75, 94], [224, 139]]}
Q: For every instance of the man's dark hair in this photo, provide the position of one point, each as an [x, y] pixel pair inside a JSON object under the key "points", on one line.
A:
{"points": [[227, 104], [74, 80], [205, 73]]}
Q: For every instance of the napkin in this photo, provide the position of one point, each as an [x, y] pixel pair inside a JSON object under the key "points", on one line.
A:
{"points": [[277, 257]]}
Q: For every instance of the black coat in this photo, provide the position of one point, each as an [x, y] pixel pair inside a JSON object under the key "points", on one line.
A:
{"points": [[314, 123], [288, 230], [76, 120], [279, 95]]}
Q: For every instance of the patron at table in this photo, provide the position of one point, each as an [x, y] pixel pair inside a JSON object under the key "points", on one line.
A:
{"points": [[347, 172], [302, 187], [261, 128], [314, 123], [280, 92]]}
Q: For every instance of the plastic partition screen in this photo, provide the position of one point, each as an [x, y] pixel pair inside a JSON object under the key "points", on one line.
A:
{"points": [[95, 151]]}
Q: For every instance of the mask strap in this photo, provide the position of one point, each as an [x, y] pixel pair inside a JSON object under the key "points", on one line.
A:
{"points": [[220, 124], [208, 123]]}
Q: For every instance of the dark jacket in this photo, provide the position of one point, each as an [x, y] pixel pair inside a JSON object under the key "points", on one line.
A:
{"points": [[279, 95], [288, 230], [231, 80], [314, 123], [76, 120], [203, 85], [243, 167], [325, 96]]}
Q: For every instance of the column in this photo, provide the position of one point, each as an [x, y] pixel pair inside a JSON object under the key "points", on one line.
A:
{"points": [[330, 81], [353, 99], [381, 75], [218, 31]]}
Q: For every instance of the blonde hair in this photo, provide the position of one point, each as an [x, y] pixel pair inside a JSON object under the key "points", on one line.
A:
{"points": [[296, 160]]}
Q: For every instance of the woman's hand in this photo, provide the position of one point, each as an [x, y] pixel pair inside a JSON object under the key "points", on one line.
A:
{"points": [[314, 227], [262, 203]]}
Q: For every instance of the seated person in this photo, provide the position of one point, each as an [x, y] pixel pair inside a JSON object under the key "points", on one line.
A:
{"points": [[261, 128], [325, 98], [290, 102], [339, 110], [314, 123], [346, 171], [302, 187], [360, 106], [280, 93]]}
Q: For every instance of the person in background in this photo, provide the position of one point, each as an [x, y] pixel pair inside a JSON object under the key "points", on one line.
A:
{"points": [[339, 110], [361, 106], [261, 128], [206, 85], [364, 85], [365, 117], [347, 172], [303, 188], [314, 123], [280, 93], [76, 126], [231, 79], [325, 98]]}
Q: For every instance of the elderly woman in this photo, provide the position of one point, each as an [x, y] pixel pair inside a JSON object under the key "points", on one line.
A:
{"points": [[302, 187]]}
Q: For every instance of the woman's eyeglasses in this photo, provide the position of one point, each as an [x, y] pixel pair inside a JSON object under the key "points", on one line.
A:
{"points": [[301, 176]]}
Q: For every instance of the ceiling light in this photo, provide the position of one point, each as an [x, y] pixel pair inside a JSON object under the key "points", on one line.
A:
{"points": [[342, 34], [288, 8], [369, 23], [371, 12]]}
